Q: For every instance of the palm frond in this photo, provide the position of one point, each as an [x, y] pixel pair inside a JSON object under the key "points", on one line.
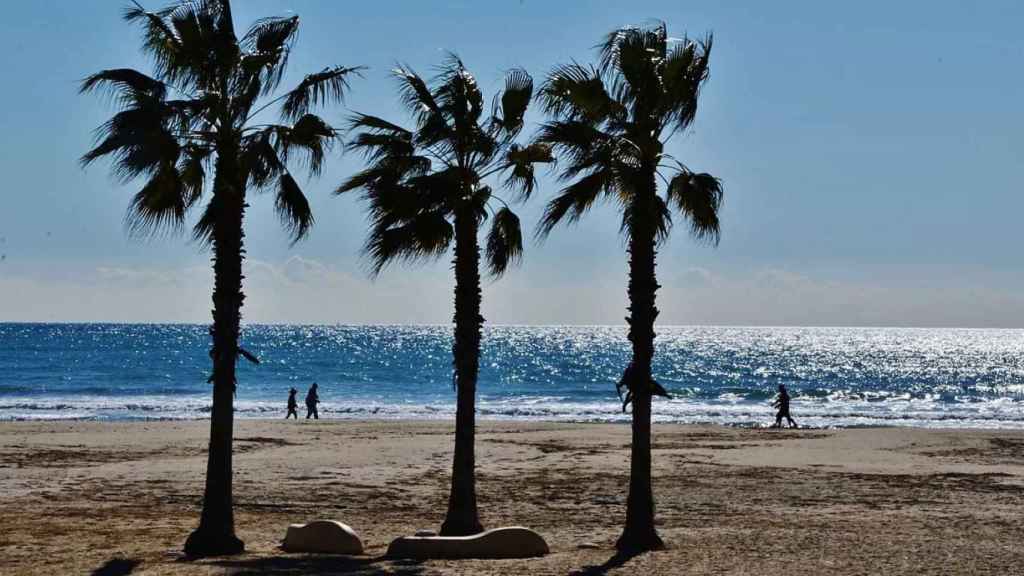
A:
{"points": [[477, 203], [388, 147], [293, 208], [520, 163], [432, 126], [504, 242], [685, 72], [225, 22], [510, 106], [635, 52], [434, 132], [459, 97], [272, 34], [188, 40], [311, 136], [193, 60], [374, 124], [192, 171], [698, 197], [129, 87], [425, 236], [246, 88], [194, 22], [371, 179], [379, 137], [387, 179], [395, 199], [381, 147], [574, 200], [414, 93], [328, 85], [139, 142], [440, 188], [269, 42], [160, 42], [575, 92], [585, 147], [160, 205], [226, 50], [259, 160]]}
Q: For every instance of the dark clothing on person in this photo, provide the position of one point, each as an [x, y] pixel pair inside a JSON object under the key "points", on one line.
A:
{"points": [[293, 404], [312, 399], [782, 403]]}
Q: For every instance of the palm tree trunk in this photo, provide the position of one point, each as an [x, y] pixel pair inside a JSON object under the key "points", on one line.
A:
{"points": [[462, 518], [639, 533], [216, 532]]}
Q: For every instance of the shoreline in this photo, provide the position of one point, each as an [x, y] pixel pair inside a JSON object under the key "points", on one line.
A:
{"points": [[729, 500], [403, 421]]}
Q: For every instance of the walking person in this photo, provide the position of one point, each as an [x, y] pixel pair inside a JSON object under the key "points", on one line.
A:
{"points": [[312, 399], [293, 404], [782, 403]]}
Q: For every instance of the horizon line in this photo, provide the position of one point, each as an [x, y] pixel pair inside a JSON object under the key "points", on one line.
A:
{"points": [[508, 325]]}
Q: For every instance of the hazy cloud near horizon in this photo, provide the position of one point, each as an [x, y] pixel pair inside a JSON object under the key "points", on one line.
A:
{"points": [[304, 290]]}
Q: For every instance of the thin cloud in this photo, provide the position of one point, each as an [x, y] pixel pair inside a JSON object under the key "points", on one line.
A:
{"points": [[305, 290]]}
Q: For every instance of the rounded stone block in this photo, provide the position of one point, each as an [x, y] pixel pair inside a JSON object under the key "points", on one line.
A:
{"points": [[509, 542], [327, 536]]}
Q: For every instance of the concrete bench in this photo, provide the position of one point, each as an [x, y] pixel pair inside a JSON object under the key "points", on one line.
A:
{"points": [[510, 542], [327, 536]]}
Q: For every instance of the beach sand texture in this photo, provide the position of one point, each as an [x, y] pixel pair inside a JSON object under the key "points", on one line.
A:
{"points": [[80, 496]]}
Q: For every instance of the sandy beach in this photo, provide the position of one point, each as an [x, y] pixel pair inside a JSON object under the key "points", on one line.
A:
{"points": [[76, 497]]}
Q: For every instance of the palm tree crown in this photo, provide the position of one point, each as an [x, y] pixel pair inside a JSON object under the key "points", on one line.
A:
{"points": [[419, 181], [609, 125], [208, 86]]}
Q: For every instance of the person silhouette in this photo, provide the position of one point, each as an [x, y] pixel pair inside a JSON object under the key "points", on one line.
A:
{"points": [[293, 404], [782, 403], [312, 399]]}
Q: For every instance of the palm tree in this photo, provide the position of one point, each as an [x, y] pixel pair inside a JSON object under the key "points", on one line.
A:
{"points": [[609, 124], [195, 112], [426, 189]]}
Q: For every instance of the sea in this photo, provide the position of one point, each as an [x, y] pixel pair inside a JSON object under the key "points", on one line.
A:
{"points": [[838, 377]]}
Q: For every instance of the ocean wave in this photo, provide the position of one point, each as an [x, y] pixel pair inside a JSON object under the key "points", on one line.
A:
{"points": [[818, 413], [845, 377]]}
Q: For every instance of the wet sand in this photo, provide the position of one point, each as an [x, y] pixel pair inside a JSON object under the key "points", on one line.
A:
{"points": [[84, 497]]}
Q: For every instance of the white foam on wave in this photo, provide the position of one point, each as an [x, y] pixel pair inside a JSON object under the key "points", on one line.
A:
{"points": [[996, 413]]}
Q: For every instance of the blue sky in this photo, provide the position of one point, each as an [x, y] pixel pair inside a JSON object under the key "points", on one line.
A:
{"points": [[871, 154]]}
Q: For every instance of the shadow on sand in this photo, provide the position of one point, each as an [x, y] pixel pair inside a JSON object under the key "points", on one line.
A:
{"points": [[320, 564], [117, 567], [617, 561]]}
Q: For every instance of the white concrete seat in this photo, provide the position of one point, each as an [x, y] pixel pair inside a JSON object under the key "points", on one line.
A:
{"points": [[327, 536], [509, 542]]}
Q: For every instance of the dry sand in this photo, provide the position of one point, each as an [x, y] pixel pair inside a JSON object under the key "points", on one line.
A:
{"points": [[81, 498]]}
